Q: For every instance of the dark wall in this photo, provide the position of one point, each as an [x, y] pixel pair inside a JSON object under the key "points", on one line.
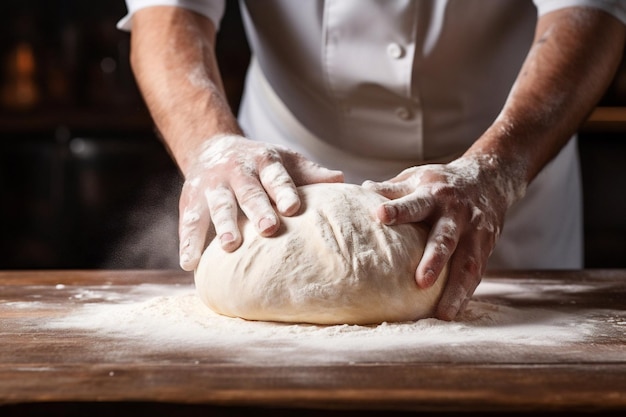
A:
{"points": [[84, 180]]}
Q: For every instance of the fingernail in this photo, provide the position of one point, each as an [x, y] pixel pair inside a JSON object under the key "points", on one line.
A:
{"points": [[266, 223], [184, 259], [186, 262], [287, 204], [429, 278], [226, 238], [390, 213]]}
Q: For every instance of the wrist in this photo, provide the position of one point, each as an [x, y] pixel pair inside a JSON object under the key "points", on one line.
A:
{"points": [[506, 175]]}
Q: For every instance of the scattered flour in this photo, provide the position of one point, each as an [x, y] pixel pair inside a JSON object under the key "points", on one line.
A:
{"points": [[156, 319]]}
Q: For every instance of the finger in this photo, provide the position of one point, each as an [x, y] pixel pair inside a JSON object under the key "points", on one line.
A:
{"points": [[194, 222], [411, 208], [305, 172], [280, 187], [468, 297], [391, 190], [256, 204], [465, 273], [411, 173], [440, 245], [398, 186], [223, 208]]}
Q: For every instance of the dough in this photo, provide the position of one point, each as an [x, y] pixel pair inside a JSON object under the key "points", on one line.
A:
{"points": [[333, 263]]}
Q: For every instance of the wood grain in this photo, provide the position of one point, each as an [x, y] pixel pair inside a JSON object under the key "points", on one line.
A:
{"points": [[41, 367]]}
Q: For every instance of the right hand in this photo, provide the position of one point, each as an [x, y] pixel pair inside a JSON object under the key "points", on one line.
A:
{"points": [[464, 202], [232, 172]]}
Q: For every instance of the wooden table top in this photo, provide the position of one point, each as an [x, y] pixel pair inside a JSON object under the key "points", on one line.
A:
{"points": [[533, 340]]}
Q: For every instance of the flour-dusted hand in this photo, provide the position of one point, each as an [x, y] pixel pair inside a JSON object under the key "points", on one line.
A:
{"points": [[464, 202], [230, 173]]}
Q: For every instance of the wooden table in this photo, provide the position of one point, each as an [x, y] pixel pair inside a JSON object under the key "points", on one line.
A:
{"points": [[50, 371]]}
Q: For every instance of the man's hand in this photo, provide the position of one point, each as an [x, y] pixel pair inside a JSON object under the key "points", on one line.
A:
{"points": [[230, 173], [464, 203]]}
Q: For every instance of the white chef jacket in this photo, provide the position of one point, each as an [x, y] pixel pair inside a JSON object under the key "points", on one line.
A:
{"points": [[372, 87]]}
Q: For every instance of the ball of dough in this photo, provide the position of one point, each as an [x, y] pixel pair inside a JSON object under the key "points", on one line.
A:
{"points": [[333, 263]]}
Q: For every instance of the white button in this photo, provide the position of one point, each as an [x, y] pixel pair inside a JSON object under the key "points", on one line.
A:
{"points": [[404, 113], [395, 51]]}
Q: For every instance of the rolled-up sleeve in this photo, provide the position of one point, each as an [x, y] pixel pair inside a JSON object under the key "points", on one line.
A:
{"points": [[617, 8], [213, 9]]}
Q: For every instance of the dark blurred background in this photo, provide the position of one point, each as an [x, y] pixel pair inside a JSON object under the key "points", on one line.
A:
{"points": [[86, 183]]}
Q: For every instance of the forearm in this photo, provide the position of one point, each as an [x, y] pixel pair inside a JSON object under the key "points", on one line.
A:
{"points": [[172, 55], [573, 59]]}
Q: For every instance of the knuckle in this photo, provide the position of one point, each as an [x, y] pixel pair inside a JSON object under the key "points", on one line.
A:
{"points": [[274, 175], [442, 191], [448, 200], [221, 204], [446, 236], [245, 170], [281, 181], [471, 267], [251, 195], [414, 209], [448, 227], [190, 216], [269, 155], [221, 207], [445, 242]]}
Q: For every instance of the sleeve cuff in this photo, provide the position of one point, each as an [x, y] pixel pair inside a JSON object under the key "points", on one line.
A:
{"points": [[617, 8], [213, 9]]}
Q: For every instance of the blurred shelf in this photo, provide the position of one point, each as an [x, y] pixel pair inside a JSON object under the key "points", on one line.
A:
{"points": [[606, 119], [88, 120], [603, 119]]}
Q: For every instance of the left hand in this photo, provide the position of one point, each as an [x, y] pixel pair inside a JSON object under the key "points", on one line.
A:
{"points": [[464, 202]]}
